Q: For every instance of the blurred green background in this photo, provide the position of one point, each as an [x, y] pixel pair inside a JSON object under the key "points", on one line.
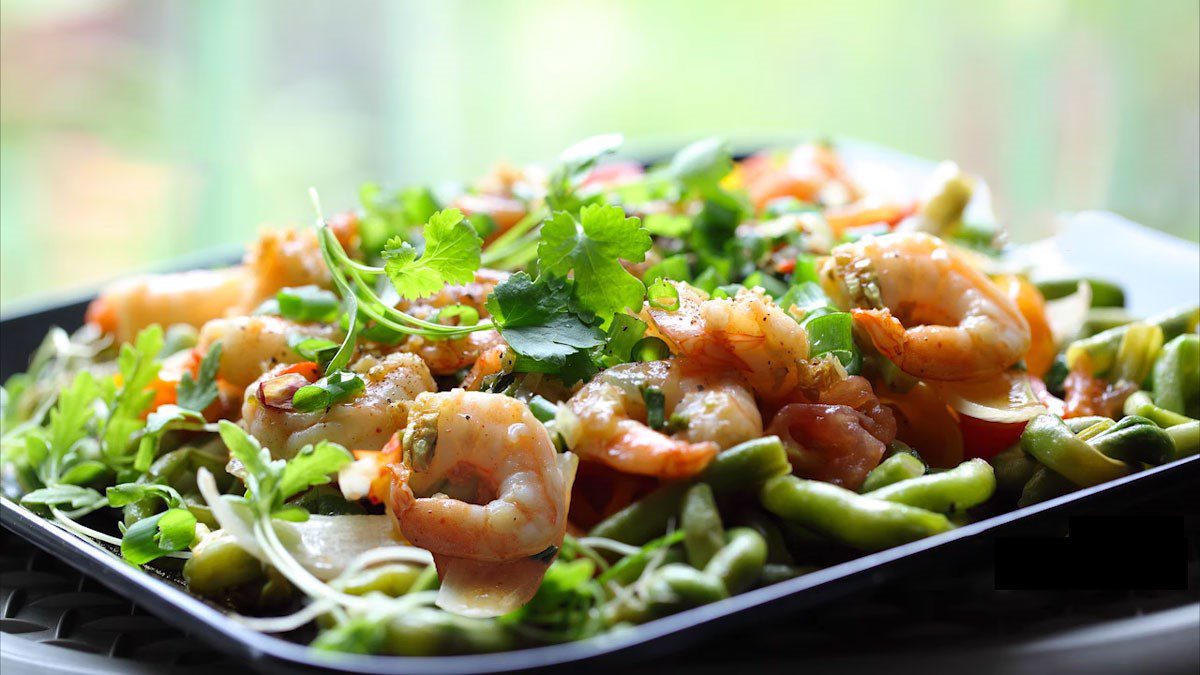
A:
{"points": [[133, 132]]}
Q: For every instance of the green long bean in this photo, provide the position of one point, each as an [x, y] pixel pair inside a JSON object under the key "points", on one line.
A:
{"points": [[1051, 442], [900, 466], [969, 484], [739, 563], [853, 519], [703, 532]]}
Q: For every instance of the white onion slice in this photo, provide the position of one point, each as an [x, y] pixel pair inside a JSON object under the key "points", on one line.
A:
{"points": [[1005, 399], [1068, 314]]}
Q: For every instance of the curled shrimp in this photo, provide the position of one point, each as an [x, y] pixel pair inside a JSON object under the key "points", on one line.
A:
{"points": [[936, 316], [703, 412], [480, 486], [251, 345], [366, 420], [748, 334], [278, 259], [840, 438]]}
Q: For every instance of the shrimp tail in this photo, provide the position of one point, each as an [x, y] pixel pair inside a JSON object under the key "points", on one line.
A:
{"points": [[886, 331], [672, 458]]}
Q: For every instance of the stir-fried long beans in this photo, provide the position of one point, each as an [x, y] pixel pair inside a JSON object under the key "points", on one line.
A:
{"points": [[856, 520]]}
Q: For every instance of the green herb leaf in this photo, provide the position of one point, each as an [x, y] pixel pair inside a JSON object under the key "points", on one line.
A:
{"points": [[261, 470], [593, 247], [313, 465], [535, 319], [128, 493], [152, 538], [67, 497], [451, 256], [197, 394], [326, 391]]}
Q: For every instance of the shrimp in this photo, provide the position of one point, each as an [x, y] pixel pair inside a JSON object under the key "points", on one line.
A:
{"points": [[748, 334], [278, 259], [192, 298], [446, 357], [813, 173], [251, 345], [840, 438], [480, 486], [366, 420], [936, 316], [606, 420]]}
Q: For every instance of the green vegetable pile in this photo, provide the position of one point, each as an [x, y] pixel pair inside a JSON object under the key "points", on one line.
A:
{"points": [[100, 440]]}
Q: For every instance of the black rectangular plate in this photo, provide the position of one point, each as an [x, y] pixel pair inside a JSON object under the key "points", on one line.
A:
{"points": [[22, 333]]}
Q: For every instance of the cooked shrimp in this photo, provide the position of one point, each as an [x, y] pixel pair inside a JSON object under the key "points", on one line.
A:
{"points": [[493, 360], [192, 298], [748, 334], [935, 315], [251, 345], [446, 357], [481, 487], [813, 172], [606, 420], [280, 258], [840, 438], [365, 420]]}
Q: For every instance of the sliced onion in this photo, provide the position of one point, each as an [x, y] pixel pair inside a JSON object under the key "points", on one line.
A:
{"points": [[1067, 315], [1008, 398]]}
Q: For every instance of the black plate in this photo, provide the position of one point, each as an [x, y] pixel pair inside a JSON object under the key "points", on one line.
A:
{"points": [[22, 333]]}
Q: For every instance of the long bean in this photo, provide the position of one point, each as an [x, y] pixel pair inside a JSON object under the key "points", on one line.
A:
{"points": [[856, 520], [1051, 442], [741, 468], [703, 532], [740, 562], [969, 484], [898, 467]]}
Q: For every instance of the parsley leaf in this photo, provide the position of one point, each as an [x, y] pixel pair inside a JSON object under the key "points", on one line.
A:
{"points": [[271, 481], [138, 367], [196, 394], [593, 247], [451, 256], [535, 319]]}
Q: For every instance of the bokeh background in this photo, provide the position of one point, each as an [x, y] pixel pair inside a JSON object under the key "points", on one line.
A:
{"points": [[135, 132]]}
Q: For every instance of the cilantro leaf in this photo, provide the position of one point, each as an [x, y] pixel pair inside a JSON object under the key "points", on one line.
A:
{"points": [[451, 256], [534, 318], [196, 394], [128, 493], [312, 466], [593, 247], [271, 481]]}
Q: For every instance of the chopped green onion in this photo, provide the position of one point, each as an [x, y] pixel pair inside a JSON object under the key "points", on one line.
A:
{"points": [[465, 315], [662, 295], [315, 349], [327, 391], [650, 349], [655, 407], [543, 409], [308, 303]]}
